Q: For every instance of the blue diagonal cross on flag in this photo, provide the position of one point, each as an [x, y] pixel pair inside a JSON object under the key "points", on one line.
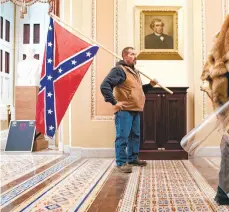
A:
{"points": [[66, 60]]}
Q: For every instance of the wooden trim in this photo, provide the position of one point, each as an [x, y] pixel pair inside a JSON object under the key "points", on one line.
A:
{"points": [[1, 60], [55, 5], [7, 62], [167, 116], [1, 27], [36, 33], [174, 89], [26, 33], [163, 155], [7, 31]]}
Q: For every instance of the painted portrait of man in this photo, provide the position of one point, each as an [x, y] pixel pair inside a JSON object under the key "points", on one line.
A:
{"points": [[158, 39]]}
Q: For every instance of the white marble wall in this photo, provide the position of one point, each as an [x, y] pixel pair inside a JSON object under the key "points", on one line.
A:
{"points": [[6, 80]]}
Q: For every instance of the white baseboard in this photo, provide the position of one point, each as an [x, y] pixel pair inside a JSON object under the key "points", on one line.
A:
{"points": [[67, 149], [93, 152], [3, 136], [213, 151], [51, 141]]}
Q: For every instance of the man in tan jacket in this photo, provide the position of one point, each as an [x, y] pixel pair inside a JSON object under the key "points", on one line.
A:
{"points": [[128, 101]]}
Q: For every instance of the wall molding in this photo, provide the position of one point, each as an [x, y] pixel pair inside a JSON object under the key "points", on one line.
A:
{"points": [[203, 9], [225, 8], [93, 66], [92, 152], [203, 35]]}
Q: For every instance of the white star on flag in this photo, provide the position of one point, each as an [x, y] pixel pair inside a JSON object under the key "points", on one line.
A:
{"points": [[50, 111], [51, 127], [73, 62], [60, 70], [50, 28], [49, 60], [88, 54], [49, 94], [50, 44], [49, 77]]}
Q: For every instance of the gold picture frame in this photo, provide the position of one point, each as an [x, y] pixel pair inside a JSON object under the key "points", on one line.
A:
{"points": [[164, 43]]}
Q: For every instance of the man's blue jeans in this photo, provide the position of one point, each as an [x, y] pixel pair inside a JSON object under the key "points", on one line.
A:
{"points": [[127, 136]]}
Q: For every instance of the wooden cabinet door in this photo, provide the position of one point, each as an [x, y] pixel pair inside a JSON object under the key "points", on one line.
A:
{"points": [[163, 125], [174, 119], [150, 121]]}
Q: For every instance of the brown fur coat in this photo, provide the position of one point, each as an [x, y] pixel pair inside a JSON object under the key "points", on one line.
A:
{"points": [[216, 68]]}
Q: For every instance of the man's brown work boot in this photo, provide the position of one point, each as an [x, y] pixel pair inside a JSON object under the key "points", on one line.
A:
{"points": [[138, 163], [124, 168]]}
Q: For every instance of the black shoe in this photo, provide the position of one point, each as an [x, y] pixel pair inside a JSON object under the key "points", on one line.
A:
{"points": [[221, 198], [138, 163]]}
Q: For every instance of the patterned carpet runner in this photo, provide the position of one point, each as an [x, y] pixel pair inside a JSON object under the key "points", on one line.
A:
{"points": [[168, 186]]}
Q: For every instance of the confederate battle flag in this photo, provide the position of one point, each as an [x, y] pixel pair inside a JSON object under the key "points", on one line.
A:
{"points": [[66, 61]]}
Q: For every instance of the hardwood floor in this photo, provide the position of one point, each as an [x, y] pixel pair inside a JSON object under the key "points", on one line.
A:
{"points": [[111, 193]]}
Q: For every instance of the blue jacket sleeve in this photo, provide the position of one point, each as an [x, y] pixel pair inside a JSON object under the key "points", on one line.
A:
{"points": [[114, 78], [146, 88]]}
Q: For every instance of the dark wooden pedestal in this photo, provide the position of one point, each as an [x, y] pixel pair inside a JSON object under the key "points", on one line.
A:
{"points": [[25, 109]]}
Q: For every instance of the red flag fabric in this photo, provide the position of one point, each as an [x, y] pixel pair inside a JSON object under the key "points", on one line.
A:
{"points": [[66, 61]]}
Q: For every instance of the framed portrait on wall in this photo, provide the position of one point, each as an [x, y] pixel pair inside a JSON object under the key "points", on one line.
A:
{"points": [[159, 33]]}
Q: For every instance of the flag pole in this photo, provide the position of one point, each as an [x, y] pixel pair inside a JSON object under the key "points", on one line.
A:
{"points": [[100, 45], [92, 41]]}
